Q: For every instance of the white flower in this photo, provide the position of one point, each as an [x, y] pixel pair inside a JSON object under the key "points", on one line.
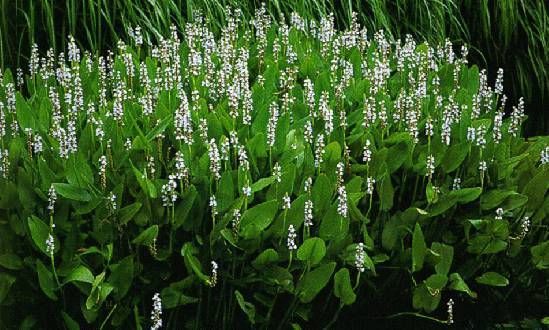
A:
{"points": [[213, 205], [498, 87], [499, 213], [430, 165], [308, 220], [544, 156], [247, 190], [471, 134], [213, 277], [319, 150], [370, 182], [52, 198], [112, 201], [156, 313], [456, 185], [243, 158], [291, 238], [277, 172], [168, 191], [50, 244], [360, 256], [236, 221], [286, 202], [342, 201], [340, 168], [215, 159], [450, 305], [482, 166], [308, 184], [524, 227], [271, 125], [367, 153]]}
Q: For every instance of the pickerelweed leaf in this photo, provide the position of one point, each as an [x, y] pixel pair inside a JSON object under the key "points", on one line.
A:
{"points": [[314, 281], [72, 192], [247, 307], [419, 248], [492, 279], [147, 236], [342, 287], [40, 232], [259, 216], [312, 250], [46, 280]]}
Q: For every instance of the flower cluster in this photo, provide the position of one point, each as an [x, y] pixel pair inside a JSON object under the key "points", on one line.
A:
{"points": [[156, 313]]}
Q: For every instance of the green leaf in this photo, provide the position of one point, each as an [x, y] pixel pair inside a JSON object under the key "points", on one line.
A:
{"points": [[79, 274], [225, 193], [122, 277], [192, 263], [435, 283], [342, 287], [39, 233], [333, 225], [419, 249], [313, 282], [69, 322], [247, 307], [183, 208], [454, 156], [146, 185], [266, 257], [147, 236], [322, 193], [46, 280], [312, 250], [11, 261], [446, 253], [72, 192], [259, 216], [127, 213], [386, 194], [492, 279], [262, 184], [536, 189], [6, 281], [466, 195], [458, 284], [25, 115], [424, 299], [173, 297], [540, 255]]}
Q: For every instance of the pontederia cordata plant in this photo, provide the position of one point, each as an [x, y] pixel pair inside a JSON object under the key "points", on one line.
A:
{"points": [[269, 177]]}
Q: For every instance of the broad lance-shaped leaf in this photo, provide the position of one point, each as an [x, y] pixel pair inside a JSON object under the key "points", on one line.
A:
{"points": [[259, 217], [540, 255], [493, 279], [247, 307], [46, 280], [72, 192], [79, 274], [458, 284], [39, 232], [313, 282], [419, 249], [343, 288], [147, 236], [312, 250], [192, 263]]}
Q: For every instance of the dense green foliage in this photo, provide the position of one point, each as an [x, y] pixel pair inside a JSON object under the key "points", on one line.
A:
{"points": [[509, 34], [276, 176]]}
